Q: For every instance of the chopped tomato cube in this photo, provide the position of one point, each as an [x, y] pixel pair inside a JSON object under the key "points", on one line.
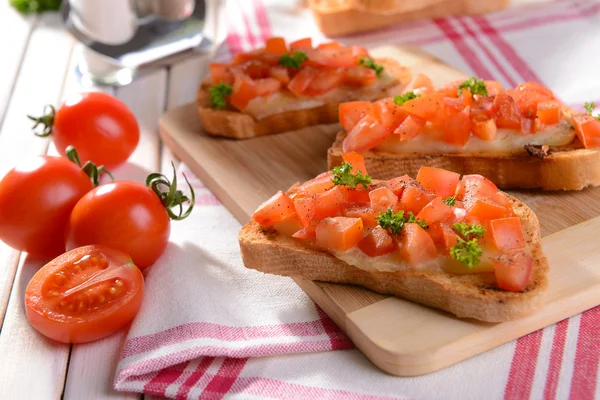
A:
{"points": [[587, 129], [377, 243], [359, 52], [415, 245], [410, 127], [244, 90], [357, 161], [457, 128], [493, 87], [507, 233], [301, 81], [426, 107], [307, 233], [277, 208], [501, 199], [513, 270], [356, 195], [276, 45], [528, 125], [288, 226], [383, 199], [220, 73], [301, 44], [473, 187], [436, 211], [333, 56], [528, 95], [359, 76], [267, 86], [352, 112], [451, 89], [319, 184], [305, 208], [440, 181], [339, 233], [363, 211], [366, 134], [329, 204], [329, 45], [414, 199], [389, 113], [324, 81], [397, 185], [449, 237], [280, 73], [507, 112], [549, 112], [485, 210], [483, 127], [420, 84]]}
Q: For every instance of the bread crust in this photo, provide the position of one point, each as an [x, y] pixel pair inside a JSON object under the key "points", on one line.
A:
{"points": [[570, 168], [238, 125], [466, 296]]}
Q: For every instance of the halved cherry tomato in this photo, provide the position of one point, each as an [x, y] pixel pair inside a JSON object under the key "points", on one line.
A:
{"points": [[457, 129], [36, 199], [84, 295], [513, 270], [383, 199], [483, 127], [420, 84], [305, 208], [357, 161], [244, 90], [377, 243], [587, 129], [389, 113], [220, 73], [352, 112], [363, 211], [549, 112], [365, 135], [276, 45], [339, 233], [440, 181], [277, 208], [507, 113], [507, 233], [415, 245], [329, 204], [301, 44], [485, 210], [359, 76], [410, 127], [436, 211], [414, 199]]}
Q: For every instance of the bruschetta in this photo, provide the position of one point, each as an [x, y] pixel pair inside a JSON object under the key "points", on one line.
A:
{"points": [[450, 242], [284, 87], [518, 138]]}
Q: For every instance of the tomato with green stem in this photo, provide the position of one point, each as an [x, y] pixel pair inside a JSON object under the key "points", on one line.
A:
{"points": [[129, 216], [100, 126]]}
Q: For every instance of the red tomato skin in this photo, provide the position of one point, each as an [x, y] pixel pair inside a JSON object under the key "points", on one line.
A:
{"points": [[36, 199], [377, 243], [61, 328], [352, 112], [357, 161], [513, 270], [365, 135], [275, 209], [440, 181], [101, 127], [587, 129], [127, 216]]}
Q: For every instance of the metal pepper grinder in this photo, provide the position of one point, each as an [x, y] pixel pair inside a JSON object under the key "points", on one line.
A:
{"points": [[122, 37]]}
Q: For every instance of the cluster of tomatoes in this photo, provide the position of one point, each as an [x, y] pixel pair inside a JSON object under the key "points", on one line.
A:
{"points": [[49, 205]]}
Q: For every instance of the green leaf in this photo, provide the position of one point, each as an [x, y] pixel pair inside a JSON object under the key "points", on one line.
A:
{"points": [[450, 201], [35, 6], [475, 86], [469, 231], [589, 107], [293, 60], [394, 222], [343, 175], [218, 93], [369, 63], [403, 98], [466, 252]]}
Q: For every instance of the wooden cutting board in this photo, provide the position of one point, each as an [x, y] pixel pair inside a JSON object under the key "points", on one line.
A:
{"points": [[398, 336]]}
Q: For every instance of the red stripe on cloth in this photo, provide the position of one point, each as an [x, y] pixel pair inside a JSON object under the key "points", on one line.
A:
{"points": [[254, 41], [199, 330], [461, 45], [587, 356], [262, 19], [522, 368], [338, 339], [556, 356], [189, 383], [225, 378], [507, 50], [487, 53], [159, 384]]}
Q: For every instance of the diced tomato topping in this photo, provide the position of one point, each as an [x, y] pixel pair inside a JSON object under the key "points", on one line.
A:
{"points": [[449, 237], [220, 73], [527, 96], [365, 135], [389, 113], [277, 208], [305, 208], [485, 210], [507, 113], [356, 195], [493, 87], [383, 199], [457, 129], [473, 187], [483, 127], [377, 243], [360, 76], [357, 161], [333, 56], [321, 183], [587, 129], [440, 181], [276, 45], [397, 185], [507, 233], [329, 204], [528, 125], [267, 86], [307, 233], [281, 74], [329, 45], [414, 199], [415, 245], [549, 112], [420, 84], [301, 44], [436, 211], [410, 127], [426, 107], [339, 233], [301, 81], [502, 200], [513, 270], [451, 89], [288, 226], [363, 211], [244, 90], [352, 112], [324, 81]]}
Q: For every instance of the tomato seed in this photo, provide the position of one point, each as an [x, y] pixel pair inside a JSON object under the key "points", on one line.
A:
{"points": [[112, 290]]}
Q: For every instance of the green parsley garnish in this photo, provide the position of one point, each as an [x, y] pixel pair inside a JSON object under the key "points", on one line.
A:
{"points": [[590, 107], [450, 201], [35, 6], [467, 250], [475, 86], [343, 175], [293, 60], [369, 63], [394, 222], [405, 97], [218, 93]]}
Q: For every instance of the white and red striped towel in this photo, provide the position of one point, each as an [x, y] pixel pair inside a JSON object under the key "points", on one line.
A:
{"points": [[211, 329]]}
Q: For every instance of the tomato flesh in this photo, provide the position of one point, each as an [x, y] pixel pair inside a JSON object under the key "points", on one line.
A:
{"points": [[277, 208], [329, 204], [377, 243], [339, 233], [507, 233], [365, 135], [513, 270], [84, 295], [414, 199], [587, 129], [363, 211], [415, 245], [383, 199], [410, 127], [435, 212], [352, 112], [389, 113], [439, 181]]}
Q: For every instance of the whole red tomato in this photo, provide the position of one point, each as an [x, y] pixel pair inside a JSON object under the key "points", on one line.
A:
{"points": [[36, 199], [128, 216], [102, 128]]}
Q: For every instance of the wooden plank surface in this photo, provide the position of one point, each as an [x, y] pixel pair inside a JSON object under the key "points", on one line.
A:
{"points": [[245, 173]]}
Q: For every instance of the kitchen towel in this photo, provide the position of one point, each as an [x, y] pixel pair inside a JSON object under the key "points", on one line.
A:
{"points": [[211, 329]]}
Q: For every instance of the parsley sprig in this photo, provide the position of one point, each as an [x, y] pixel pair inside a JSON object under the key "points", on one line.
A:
{"points": [[393, 222], [369, 63], [343, 175], [467, 249], [590, 107], [293, 60], [450, 201], [218, 93], [475, 86], [403, 98]]}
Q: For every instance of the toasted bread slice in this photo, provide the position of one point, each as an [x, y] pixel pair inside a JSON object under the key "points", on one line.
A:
{"points": [[570, 167], [466, 296], [238, 125]]}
